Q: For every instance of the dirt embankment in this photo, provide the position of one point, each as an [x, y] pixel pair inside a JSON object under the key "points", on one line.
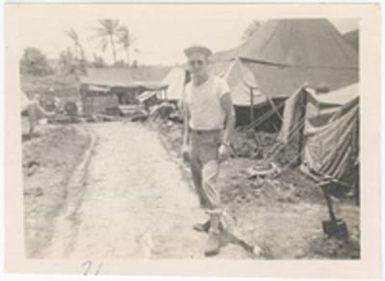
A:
{"points": [[48, 162], [282, 215]]}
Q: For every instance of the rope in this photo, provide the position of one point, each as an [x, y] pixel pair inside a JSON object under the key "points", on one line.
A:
{"points": [[263, 117], [295, 129], [285, 167]]}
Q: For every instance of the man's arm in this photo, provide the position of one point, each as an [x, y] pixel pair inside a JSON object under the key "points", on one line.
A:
{"points": [[227, 106], [186, 131], [186, 120]]}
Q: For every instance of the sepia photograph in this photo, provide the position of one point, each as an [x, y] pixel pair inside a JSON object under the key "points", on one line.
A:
{"points": [[175, 132]]}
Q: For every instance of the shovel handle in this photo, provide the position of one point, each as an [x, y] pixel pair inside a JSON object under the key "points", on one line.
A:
{"points": [[328, 202]]}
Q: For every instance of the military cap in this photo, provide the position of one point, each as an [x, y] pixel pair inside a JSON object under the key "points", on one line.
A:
{"points": [[197, 49]]}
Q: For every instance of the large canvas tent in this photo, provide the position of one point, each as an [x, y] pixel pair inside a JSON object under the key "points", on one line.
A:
{"points": [[330, 140], [353, 38], [284, 54], [295, 42], [175, 81], [241, 81], [245, 91]]}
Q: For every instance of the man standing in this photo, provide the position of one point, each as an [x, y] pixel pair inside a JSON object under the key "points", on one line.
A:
{"points": [[208, 122]]}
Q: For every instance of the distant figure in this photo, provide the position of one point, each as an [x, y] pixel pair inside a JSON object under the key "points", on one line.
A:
{"points": [[35, 113], [209, 119]]}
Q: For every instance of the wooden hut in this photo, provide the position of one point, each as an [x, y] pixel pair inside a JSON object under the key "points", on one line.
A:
{"points": [[105, 89]]}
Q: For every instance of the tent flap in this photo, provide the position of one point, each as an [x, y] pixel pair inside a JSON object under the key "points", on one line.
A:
{"points": [[330, 150]]}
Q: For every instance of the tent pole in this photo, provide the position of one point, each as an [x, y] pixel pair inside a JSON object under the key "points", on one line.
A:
{"points": [[251, 105], [355, 144], [301, 135], [92, 103]]}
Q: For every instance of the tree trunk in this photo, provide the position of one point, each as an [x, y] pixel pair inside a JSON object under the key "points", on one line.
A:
{"points": [[127, 49], [113, 49], [82, 58]]}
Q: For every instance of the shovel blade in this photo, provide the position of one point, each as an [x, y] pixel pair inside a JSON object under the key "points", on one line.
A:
{"points": [[337, 229]]}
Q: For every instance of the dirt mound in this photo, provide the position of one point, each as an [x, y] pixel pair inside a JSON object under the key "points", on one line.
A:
{"points": [[249, 143], [333, 248]]}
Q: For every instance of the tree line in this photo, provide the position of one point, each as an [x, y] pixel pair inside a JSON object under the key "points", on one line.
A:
{"points": [[109, 34]]}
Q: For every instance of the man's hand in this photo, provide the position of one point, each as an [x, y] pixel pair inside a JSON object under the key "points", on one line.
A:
{"points": [[186, 153], [224, 152]]}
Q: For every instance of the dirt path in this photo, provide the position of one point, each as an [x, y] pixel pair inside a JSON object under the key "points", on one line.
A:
{"points": [[46, 170], [134, 202]]}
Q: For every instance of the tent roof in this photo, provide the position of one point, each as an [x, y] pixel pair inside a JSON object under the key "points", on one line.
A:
{"points": [[338, 97], [240, 80], [175, 81], [119, 77], [278, 81], [149, 73], [352, 37], [296, 42], [271, 81], [283, 55]]}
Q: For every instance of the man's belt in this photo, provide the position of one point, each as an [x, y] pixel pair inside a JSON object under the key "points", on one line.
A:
{"points": [[205, 132]]}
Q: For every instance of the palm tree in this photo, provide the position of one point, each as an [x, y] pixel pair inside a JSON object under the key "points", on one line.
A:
{"points": [[251, 29], [67, 62], [125, 40], [73, 35], [107, 33], [79, 50]]}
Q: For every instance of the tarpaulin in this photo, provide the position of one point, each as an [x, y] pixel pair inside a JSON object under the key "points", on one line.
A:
{"points": [[333, 148], [291, 115]]}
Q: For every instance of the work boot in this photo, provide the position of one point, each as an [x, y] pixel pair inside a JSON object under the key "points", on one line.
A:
{"points": [[213, 242], [202, 227], [213, 245], [205, 227]]}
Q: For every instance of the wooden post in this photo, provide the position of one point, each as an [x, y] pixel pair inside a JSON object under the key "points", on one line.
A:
{"points": [[251, 105]]}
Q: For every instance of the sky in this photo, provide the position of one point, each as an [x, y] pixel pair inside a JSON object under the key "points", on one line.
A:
{"points": [[161, 32]]}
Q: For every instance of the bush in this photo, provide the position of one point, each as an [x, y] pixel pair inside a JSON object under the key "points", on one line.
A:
{"points": [[35, 63]]}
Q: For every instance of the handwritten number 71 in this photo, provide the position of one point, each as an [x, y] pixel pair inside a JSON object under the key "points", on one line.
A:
{"points": [[88, 268]]}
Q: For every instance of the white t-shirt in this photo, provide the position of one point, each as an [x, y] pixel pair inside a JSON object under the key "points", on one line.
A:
{"points": [[203, 102]]}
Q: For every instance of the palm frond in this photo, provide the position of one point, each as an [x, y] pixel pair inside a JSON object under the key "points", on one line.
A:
{"points": [[72, 34]]}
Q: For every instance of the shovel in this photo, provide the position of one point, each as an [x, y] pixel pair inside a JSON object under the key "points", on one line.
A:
{"points": [[334, 227]]}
